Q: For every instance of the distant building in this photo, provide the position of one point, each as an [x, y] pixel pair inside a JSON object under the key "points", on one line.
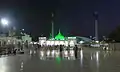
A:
{"points": [[8, 41], [26, 38], [14, 37], [62, 40]]}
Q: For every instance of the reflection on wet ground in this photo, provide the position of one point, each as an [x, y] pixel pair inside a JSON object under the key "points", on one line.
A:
{"points": [[54, 61]]}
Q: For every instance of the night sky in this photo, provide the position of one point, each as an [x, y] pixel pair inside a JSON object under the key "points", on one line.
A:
{"points": [[72, 17]]}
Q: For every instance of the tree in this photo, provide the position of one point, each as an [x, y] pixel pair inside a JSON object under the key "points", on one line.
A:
{"points": [[115, 35]]}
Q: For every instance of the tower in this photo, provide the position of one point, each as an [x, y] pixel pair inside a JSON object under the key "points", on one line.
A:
{"points": [[12, 31], [96, 25], [52, 26]]}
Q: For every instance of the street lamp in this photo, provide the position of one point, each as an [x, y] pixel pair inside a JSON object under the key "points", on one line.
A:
{"points": [[4, 22]]}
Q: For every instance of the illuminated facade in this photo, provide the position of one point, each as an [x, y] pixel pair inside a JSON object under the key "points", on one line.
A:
{"points": [[58, 40]]}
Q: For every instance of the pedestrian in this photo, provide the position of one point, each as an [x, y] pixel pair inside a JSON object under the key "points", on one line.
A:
{"points": [[75, 50], [14, 51], [61, 49]]}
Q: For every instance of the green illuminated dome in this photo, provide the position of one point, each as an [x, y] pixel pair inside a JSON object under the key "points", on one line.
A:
{"points": [[59, 36]]}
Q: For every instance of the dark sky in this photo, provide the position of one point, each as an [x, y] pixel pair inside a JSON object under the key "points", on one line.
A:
{"points": [[71, 16]]}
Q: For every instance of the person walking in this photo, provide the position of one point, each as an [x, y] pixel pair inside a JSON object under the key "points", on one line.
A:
{"points": [[75, 50]]}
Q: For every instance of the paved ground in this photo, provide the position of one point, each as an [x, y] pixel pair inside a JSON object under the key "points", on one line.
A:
{"points": [[41, 61]]}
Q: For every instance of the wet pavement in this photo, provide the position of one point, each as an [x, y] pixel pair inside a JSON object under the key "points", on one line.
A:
{"points": [[53, 61]]}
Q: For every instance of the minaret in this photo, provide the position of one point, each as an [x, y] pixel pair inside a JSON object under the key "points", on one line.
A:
{"points": [[52, 26], [96, 25], [59, 30]]}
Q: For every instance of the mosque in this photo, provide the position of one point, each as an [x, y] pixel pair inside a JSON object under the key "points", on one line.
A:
{"points": [[60, 39]]}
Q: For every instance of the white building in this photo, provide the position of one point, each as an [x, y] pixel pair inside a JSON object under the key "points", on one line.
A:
{"points": [[26, 38], [9, 40], [58, 40]]}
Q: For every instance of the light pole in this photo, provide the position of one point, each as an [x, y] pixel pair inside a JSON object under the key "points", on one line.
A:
{"points": [[3, 22], [96, 25]]}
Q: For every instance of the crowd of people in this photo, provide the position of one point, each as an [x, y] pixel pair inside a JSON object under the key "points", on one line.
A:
{"points": [[60, 48], [11, 49]]}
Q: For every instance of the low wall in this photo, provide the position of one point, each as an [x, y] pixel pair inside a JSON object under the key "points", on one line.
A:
{"points": [[114, 46]]}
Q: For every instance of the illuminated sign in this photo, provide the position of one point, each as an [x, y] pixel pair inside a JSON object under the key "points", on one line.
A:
{"points": [[42, 37], [71, 37]]}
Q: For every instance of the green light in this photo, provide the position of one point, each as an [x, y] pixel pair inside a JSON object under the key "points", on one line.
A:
{"points": [[50, 36], [59, 36], [58, 60]]}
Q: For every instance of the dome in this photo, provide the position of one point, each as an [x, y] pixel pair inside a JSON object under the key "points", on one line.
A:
{"points": [[59, 36]]}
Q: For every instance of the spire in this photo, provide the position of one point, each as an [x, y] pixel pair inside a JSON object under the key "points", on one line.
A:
{"points": [[52, 14], [59, 31], [59, 36], [52, 31]]}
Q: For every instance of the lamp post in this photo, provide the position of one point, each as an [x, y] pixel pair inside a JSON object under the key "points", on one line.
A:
{"points": [[3, 22], [96, 25]]}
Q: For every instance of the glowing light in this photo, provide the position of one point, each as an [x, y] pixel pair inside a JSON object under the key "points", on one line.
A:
{"points": [[97, 41], [56, 42], [95, 45], [57, 53], [58, 59], [61, 43], [97, 58], [43, 38], [91, 58], [52, 42], [71, 37], [34, 52], [71, 52], [42, 42], [42, 53], [48, 42], [66, 53], [4, 21], [107, 48], [8, 40], [97, 55], [31, 42], [71, 43], [30, 52], [81, 57], [53, 52], [59, 36], [48, 52], [21, 64], [66, 43], [23, 29], [81, 42], [35, 42]]}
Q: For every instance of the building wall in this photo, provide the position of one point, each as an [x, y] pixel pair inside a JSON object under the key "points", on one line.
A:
{"points": [[8, 40], [26, 38], [43, 41], [114, 46]]}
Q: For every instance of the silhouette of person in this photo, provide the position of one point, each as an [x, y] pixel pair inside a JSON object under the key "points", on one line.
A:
{"points": [[61, 49], [75, 50]]}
